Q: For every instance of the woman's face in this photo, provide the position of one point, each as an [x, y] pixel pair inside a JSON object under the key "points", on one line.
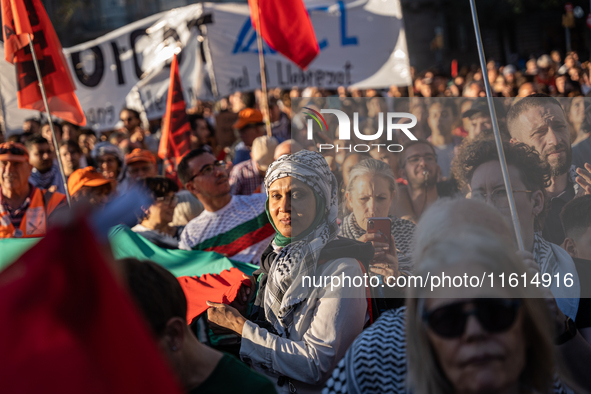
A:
{"points": [[478, 361], [292, 206], [369, 196], [162, 210]]}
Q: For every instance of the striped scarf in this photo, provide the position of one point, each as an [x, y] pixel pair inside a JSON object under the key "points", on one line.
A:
{"points": [[283, 291]]}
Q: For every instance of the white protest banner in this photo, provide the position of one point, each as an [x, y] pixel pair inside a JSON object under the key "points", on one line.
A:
{"points": [[108, 68], [362, 44]]}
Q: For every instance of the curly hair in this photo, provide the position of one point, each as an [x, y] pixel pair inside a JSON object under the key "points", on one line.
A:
{"points": [[533, 171]]}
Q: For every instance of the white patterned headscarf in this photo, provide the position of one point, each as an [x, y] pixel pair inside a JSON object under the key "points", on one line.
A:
{"points": [[284, 290]]}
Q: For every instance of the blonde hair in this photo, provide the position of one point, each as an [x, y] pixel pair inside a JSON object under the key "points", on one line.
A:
{"points": [[494, 256], [373, 168]]}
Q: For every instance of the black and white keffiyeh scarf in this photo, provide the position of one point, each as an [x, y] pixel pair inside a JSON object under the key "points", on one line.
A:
{"points": [[283, 291], [402, 230]]}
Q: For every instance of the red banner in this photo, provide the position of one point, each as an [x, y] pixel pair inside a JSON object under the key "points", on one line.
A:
{"points": [[176, 129], [27, 18]]}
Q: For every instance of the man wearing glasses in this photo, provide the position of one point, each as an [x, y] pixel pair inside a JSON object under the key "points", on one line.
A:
{"points": [[418, 166], [25, 209], [235, 226], [478, 167]]}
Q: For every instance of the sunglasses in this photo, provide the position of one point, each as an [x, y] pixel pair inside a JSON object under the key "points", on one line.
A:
{"points": [[494, 315]]}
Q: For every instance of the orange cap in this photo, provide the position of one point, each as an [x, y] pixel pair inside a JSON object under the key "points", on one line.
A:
{"points": [[85, 177], [140, 155], [13, 151], [248, 116]]}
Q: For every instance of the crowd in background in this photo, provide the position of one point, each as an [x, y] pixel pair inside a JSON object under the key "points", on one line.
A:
{"points": [[238, 190]]}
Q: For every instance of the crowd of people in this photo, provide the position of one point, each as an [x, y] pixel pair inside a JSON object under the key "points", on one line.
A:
{"points": [[280, 202]]}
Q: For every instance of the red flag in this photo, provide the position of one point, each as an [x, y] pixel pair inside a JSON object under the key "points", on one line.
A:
{"points": [[175, 141], [221, 288], [21, 18], [286, 27], [69, 327]]}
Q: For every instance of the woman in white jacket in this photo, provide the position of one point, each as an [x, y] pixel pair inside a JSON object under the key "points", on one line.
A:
{"points": [[300, 328]]}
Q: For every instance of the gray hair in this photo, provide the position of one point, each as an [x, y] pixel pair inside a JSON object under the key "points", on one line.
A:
{"points": [[491, 253], [446, 213], [373, 168]]}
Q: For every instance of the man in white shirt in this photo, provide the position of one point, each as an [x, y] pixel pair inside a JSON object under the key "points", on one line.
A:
{"points": [[235, 226]]}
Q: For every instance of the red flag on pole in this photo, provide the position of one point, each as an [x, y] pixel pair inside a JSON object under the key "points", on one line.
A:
{"points": [[20, 19], [176, 129], [68, 321], [286, 27]]}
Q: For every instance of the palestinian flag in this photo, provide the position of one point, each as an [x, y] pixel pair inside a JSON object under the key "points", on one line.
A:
{"points": [[204, 276]]}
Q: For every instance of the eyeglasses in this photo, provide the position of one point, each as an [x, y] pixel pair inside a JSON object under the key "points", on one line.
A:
{"points": [[498, 197], [208, 169], [494, 315], [429, 158], [170, 200]]}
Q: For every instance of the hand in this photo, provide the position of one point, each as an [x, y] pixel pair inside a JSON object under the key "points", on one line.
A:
{"points": [[137, 135], [225, 316], [584, 178], [531, 267], [389, 267], [245, 294], [381, 248]]}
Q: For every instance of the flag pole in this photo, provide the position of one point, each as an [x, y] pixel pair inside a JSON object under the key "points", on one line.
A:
{"points": [[264, 101], [495, 125], [55, 145]]}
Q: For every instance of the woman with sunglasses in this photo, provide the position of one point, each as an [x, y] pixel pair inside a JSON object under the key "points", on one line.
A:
{"points": [[155, 223], [477, 339]]}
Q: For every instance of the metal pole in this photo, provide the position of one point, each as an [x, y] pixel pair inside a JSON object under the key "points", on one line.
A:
{"points": [[264, 103], [55, 145], [495, 125]]}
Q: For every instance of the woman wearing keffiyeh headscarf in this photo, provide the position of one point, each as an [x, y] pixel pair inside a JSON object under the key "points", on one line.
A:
{"points": [[298, 333]]}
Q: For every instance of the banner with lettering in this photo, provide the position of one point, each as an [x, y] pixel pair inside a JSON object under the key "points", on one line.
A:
{"points": [[362, 44]]}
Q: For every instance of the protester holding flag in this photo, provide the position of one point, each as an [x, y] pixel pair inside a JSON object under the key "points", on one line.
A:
{"points": [[25, 210], [298, 334]]}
